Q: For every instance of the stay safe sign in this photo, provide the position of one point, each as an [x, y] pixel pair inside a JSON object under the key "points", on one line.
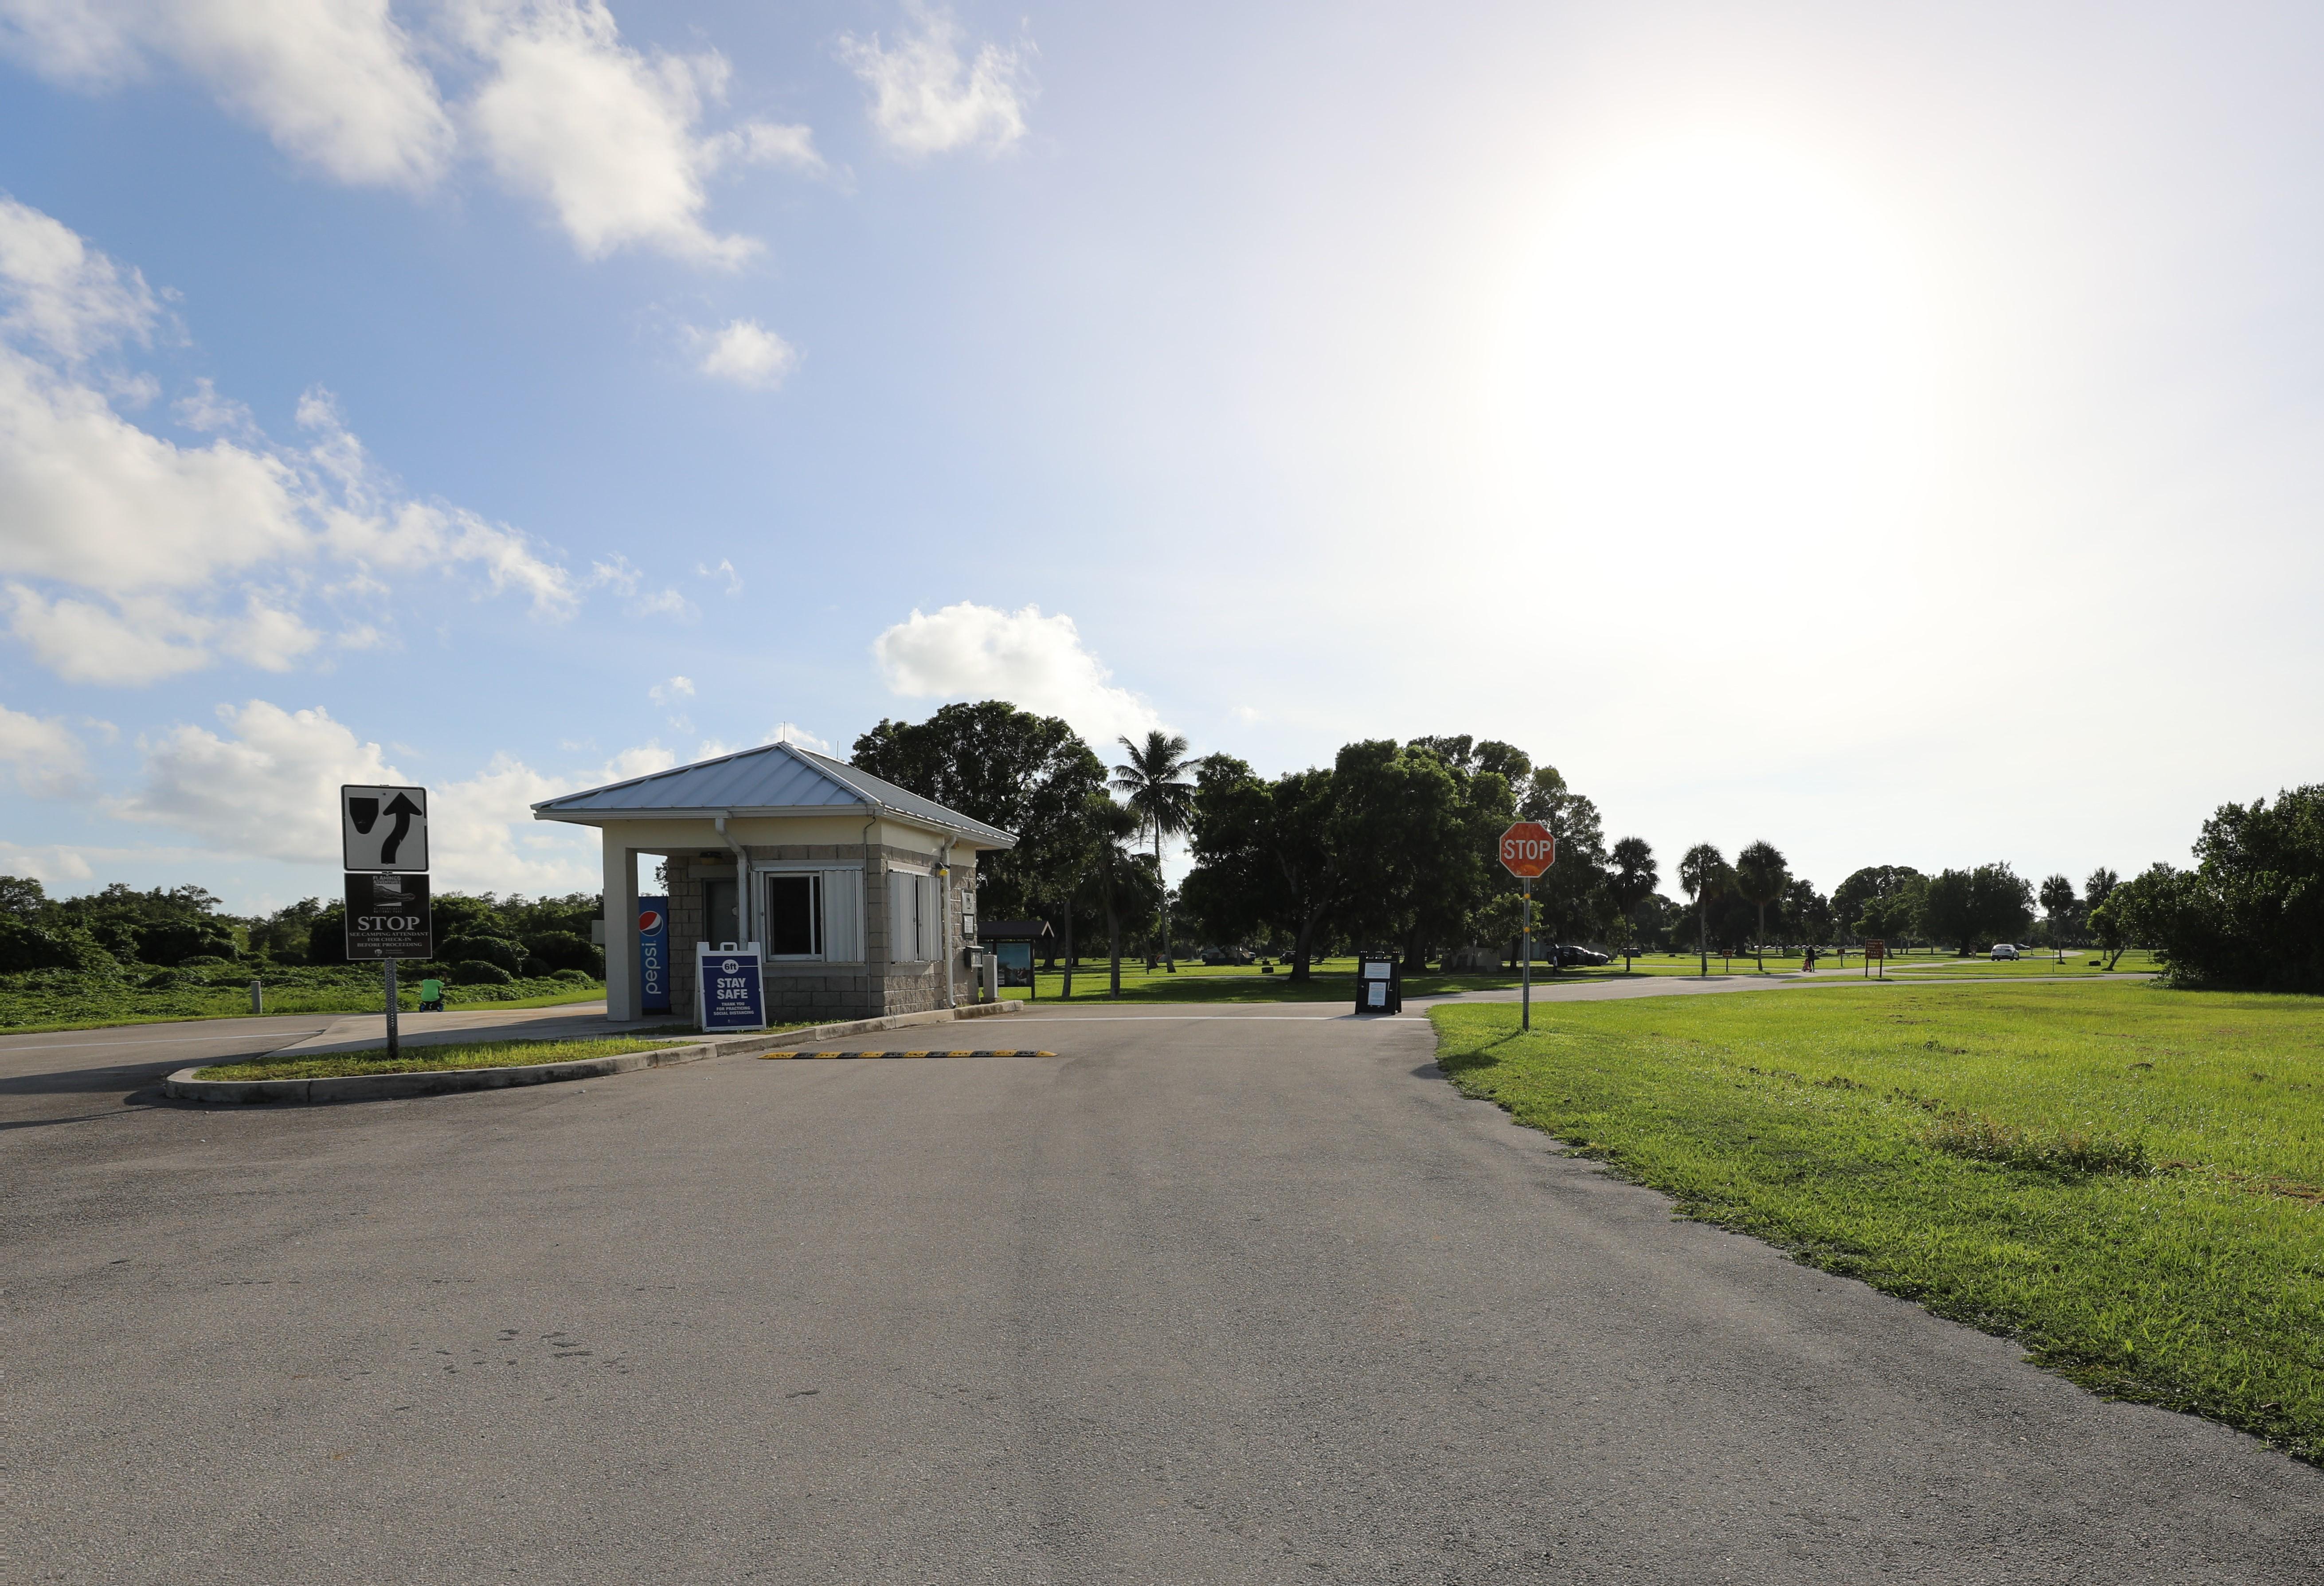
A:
{"points": [[732, 995], [1527, 849], [383, 828]]}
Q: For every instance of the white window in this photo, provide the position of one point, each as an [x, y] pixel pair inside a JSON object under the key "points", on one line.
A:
{"points": [[814, 914], [795, 915], [914, 928]]}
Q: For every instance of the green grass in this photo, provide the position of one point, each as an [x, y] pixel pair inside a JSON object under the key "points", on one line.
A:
{"points": [[1334, 978], [2130, 1181], [69, 1003], [431, 1059]]}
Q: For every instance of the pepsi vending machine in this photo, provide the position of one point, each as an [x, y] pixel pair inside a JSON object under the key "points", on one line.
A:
{"points": [[653, 955]]}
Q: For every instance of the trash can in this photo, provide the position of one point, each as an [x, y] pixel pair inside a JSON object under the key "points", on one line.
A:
{"points": [[1379, 985]]}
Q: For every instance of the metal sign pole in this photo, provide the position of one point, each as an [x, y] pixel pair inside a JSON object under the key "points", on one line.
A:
{"points": [[1525, 1016], [394, 1039]]}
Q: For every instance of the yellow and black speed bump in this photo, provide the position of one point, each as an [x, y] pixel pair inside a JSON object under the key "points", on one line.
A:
{"points": [[1025, 1053]]}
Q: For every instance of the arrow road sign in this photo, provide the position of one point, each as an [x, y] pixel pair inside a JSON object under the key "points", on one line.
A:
{"points": [[383, 828]]}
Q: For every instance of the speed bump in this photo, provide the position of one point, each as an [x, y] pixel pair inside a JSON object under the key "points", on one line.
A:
{"points": [[1027, 1052]]}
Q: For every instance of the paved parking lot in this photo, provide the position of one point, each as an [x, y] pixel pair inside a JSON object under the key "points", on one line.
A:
{"points": [[1213, 1295]]}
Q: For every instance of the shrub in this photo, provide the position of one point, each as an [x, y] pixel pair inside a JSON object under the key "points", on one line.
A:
{"points": [[463, 950], [205, 961], [475, 971], [173, 941], [2250, 915], [575, 977], [551, 951], [28, 946]]}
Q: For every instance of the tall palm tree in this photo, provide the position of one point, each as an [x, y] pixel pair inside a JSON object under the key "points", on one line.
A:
{"points": [[1634, 876], [1761, 874], [1153, 779], [1702, 874]]}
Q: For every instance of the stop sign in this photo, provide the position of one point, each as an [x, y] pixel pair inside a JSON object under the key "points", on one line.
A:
{"points": [[1527, 849]]}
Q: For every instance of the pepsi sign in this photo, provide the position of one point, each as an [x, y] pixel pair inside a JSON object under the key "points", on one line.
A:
{"points": [[653, 955]]}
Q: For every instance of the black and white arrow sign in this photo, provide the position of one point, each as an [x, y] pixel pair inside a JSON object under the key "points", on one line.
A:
{"points": [[383, 828]]}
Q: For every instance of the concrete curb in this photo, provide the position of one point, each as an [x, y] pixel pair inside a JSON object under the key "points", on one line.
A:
{"points": [[384, 1087]]}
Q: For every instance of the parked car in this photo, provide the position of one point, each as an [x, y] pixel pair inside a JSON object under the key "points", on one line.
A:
{"points": [[1215, 956], [2002, 950], [1571, 957]]}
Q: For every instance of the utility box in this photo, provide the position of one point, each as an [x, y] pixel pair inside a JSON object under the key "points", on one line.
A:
{"points": [[1379, 985]]}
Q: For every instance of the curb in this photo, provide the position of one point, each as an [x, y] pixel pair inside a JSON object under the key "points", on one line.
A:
{"points": [[384, 1087]]}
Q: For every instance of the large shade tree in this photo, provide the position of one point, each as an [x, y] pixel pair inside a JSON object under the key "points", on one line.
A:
{"points": [[1266, 856]]}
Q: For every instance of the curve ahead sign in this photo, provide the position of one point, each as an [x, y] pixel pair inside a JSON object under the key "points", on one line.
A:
{"points": [[1527, 849]]}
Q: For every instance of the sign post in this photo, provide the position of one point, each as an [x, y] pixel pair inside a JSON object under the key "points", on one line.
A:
{"points": [[1875, 952], [383, 848], [1527, 849]]}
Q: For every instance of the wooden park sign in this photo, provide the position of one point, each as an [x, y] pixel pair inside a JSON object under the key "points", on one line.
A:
{"points": [[1527, 849]]}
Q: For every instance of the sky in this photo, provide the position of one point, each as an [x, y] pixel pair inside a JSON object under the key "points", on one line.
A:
{"points": [[1891, 432]]}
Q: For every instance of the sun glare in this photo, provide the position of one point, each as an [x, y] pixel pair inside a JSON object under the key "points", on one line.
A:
{"points": [[1720, 338]]}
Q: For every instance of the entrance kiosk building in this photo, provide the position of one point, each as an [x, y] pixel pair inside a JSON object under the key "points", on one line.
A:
{"points": [[857, 890]]}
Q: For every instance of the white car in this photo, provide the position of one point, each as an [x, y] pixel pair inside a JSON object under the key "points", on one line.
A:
{"points": [[2002, 950]]}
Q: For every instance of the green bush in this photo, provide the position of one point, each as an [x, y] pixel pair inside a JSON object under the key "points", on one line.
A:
{"points": [[29, 947], [173, 941], [2250, 915], [459, 950], [576, 977], [475, 971], [205, 961], [551, 950]]}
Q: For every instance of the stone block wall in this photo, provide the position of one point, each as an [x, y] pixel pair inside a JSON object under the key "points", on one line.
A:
{"points": [[818, 993]]}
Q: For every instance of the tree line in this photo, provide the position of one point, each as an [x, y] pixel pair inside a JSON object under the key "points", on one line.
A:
{"points": [[118, 928], [1392, 846]]}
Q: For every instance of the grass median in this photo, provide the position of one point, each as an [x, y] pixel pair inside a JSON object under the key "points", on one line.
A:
{"points": [[2127, 1180], [432, 1059]]}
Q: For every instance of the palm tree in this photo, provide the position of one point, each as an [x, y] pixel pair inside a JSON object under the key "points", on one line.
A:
{"points": [[1634, 877], [1108, 826], [1701, 873], [1761, 874], [1154, 778], [2057, 902]]}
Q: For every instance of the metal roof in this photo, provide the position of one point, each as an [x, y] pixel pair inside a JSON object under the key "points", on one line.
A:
{"points": [[774, 779]]}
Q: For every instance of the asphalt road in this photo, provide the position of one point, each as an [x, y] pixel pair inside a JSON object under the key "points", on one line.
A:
{"points": [[1230, 1295]]}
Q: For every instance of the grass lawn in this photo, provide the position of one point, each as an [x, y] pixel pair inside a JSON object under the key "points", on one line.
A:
{"points": [[2127, 1180], [430, 1059], [1335, 979], [100, 1005]]}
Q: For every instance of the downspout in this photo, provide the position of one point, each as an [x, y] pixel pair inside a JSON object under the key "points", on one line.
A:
{"points": [[944, 923], [742, 882], [863, 922]]}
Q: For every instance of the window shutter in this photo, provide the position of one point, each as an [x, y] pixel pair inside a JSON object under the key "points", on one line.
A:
{"points": [[900, 934], [843, 916], [931, 918]]}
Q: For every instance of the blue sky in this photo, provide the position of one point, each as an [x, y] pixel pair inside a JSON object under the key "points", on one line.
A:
{"points": [[1892, 435]]}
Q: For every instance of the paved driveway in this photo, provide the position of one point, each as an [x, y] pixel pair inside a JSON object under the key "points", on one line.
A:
{"points": [[1232, 1295]]}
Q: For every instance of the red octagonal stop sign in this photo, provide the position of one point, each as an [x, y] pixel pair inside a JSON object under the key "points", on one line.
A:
{"points": [[1527, 849]]}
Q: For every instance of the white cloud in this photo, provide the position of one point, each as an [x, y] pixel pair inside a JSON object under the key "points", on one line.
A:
{"points": [[968, 651], [269, 789], [335, 83], [607, 137], [744, 352], [676, 688], [627, 580], [266, 787], [43, 755], [926, 98], [604, 135], [151, 548], [64, 294], [792, 732], [723, 571]]}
